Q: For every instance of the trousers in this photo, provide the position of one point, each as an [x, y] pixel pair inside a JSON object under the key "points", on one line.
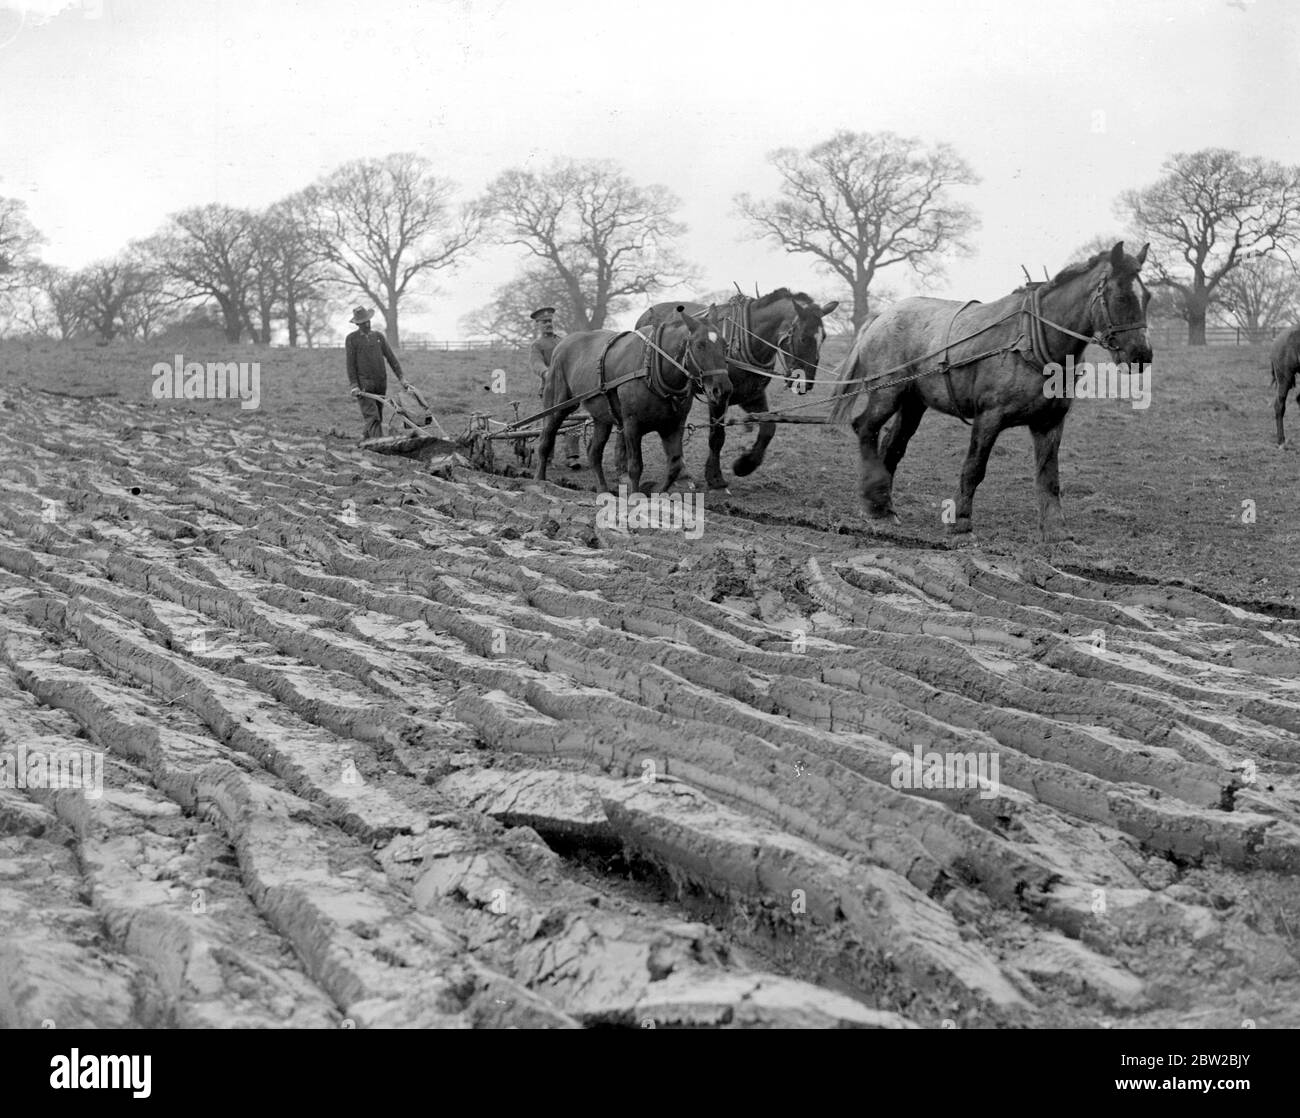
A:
{"points": [[372, 412]]}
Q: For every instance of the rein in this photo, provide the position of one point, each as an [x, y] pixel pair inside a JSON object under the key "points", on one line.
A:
{"points": [[654, 369], [741, 354], [694, 381], [1031, 308]]}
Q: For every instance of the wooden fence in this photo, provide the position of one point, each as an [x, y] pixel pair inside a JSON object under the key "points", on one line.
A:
{"points": [[448, 346], [1175, 334]]}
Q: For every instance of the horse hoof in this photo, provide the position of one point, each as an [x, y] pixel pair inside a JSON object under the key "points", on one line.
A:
{"points": [[960, 528]]}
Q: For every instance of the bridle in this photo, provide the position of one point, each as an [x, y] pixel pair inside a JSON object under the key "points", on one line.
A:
{"points": [[740, 352], [694, 384], [1106, 336], [798, 368]]}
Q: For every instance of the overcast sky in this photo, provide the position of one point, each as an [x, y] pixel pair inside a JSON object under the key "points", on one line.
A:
{"points": [[114, 113]]}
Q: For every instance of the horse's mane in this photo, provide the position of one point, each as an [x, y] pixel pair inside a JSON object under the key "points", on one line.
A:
{"points": [[781, 293], [1074, 271]]}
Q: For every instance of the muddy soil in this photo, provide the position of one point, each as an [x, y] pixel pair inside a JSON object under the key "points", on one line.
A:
{"points": [[383, 746]]}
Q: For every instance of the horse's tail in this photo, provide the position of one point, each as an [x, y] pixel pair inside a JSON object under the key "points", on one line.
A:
{"points": [[555, 384], [846, 390]]}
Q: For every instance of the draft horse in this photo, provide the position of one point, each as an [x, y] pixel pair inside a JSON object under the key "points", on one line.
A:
{"points": [[639, 381], [1284, 362], [991, 376], [757, 330]]}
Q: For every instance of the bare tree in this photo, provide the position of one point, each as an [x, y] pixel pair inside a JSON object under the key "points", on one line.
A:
{"points": [[1261, 295], [1208, 214], [18, 242], [54, 291], [210, 251], [864, 201], [602, 238], [384, 224], [153, 306], [840, 321], [301, 267], [314, 318], [265, 287], [104, 291], [506, 316]]}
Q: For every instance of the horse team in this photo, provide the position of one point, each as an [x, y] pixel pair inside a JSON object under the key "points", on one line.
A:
{"points": [[903, 363]]}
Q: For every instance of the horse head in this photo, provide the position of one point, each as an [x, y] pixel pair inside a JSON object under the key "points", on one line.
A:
{"points": [[706, 355], [802, 343], [1119, 307]]}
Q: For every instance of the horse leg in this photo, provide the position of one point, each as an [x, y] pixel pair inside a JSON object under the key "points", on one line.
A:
{"points": [[620, 454], [546, 441], [632, 440], [748, 462], [985, 428], [894, 445], [1047, 444], [596, 453], [875, 482], [1283, 383], [673, 454], [717, 438]]}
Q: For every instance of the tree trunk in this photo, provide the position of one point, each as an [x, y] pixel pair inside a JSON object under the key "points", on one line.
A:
{"points": [[232, 318], [390, 324], [1198, 303], [860, 311], [291, 314], [861, 302]]}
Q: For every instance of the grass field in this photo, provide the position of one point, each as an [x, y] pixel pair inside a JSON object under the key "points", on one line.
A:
{"points": [[1152, 494]]}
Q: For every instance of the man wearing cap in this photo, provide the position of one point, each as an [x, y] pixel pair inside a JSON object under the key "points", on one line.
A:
{"points": [[366, 351], [539, 360]]}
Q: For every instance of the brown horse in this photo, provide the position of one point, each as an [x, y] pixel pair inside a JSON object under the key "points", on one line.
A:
{"points": [[985, 363], [638, 380], [756, 330], [1284, 361]]}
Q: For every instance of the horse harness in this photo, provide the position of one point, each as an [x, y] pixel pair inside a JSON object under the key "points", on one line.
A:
{"points": [[652, 370], [945, 366], [1030, 345], [737, 330]]}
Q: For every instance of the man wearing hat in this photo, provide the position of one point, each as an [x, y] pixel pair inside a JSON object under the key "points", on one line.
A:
{"points": [[366, 351], [539, 360]]}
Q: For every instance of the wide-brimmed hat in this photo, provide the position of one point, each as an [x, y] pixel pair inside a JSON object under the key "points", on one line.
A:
{"points": [[542, 313], [362, 314]]}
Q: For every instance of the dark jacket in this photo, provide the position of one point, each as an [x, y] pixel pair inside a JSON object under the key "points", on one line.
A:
{"points": [[539, 356], [366, 354]]}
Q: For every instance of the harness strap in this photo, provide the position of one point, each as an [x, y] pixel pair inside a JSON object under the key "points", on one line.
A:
{"points": [[1029, 307], [607, 390], [947, 368]]}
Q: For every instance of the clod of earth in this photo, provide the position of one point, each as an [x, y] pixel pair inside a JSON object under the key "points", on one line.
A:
{"points": [[390, 746]]}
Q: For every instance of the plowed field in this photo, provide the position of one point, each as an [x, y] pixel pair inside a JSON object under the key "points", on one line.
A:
{"points": [[391, 747]]}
